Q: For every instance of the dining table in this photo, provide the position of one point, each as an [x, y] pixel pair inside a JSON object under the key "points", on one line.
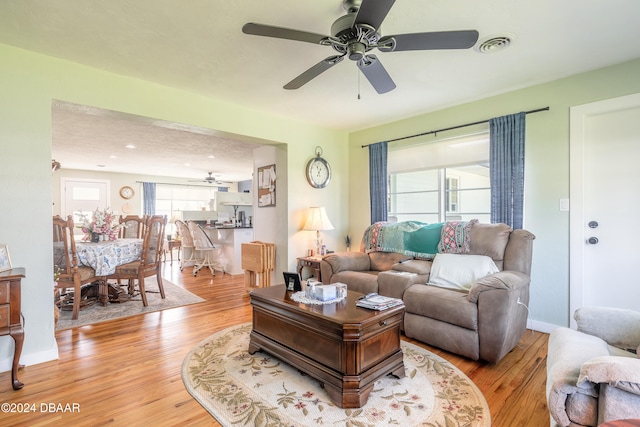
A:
{"points": [[105, 256]]}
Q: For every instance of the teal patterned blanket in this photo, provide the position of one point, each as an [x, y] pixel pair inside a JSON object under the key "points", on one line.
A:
{"points": [[418, 239], [412, 238]]}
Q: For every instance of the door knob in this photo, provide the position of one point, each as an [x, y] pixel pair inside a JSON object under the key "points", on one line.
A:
{"points": [[593, 224], [592, 240]]}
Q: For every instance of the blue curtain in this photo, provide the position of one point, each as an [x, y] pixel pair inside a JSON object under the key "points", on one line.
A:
{"points": [[149, 198], [378, 181], [507, 169]]}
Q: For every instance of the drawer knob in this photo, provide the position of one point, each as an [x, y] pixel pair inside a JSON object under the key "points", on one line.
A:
{"points": [[383, 323]]}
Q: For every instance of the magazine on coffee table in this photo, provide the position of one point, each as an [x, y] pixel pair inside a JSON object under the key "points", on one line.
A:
{"points": [[377, 302]]}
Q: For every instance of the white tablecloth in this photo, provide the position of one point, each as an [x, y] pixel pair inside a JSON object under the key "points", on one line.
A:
{"points": [[104, 257]]}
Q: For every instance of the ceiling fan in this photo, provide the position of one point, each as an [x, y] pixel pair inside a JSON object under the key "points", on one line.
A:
{"points": [[210, 179], [358, 32]]}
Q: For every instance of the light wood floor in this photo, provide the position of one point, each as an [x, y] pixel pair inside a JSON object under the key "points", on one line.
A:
{"points": [[127, 372]]}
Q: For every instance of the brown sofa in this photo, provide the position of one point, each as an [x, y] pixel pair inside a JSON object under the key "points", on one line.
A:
{"points": [[484, 322]]}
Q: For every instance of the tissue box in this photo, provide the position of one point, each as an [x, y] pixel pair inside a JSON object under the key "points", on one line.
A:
{"points": [[325, 292]]}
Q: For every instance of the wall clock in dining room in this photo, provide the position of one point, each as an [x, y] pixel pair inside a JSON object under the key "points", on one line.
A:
{"points": [[126, 192], [318, 170]]}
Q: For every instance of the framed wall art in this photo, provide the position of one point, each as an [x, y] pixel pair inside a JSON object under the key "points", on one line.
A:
{"points": [[5, 260], [267, 186]]}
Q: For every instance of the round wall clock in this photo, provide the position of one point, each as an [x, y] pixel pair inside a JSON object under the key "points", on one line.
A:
{"points": [[126, 192], [318, 171]]}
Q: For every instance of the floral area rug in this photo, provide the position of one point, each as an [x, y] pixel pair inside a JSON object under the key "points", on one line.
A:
{"points": [[175, 296], [240, 389]]}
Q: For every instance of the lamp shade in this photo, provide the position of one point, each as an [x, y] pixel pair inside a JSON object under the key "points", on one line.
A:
{"points": [[175, 216], [317, 219]]}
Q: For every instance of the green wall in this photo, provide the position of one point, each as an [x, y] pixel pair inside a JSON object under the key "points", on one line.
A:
{"points": [[546, 168], [28, 84]]}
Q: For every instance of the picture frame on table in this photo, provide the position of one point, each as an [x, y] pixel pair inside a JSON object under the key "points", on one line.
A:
{"points": [[5, 259], [292, 281]]}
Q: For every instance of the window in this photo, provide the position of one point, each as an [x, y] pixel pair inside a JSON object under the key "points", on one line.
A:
{"points": [[451, 194], [440, 181], [172, 200]]}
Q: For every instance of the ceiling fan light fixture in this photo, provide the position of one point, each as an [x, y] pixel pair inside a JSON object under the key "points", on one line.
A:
{"points": [[356, 51], [494, 43]]}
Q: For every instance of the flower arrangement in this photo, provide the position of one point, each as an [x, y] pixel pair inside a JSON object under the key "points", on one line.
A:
{"points": [[102, 223], [56, 274]]}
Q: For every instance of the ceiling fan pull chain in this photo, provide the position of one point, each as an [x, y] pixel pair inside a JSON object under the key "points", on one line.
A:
{"points": [[358, 71]]}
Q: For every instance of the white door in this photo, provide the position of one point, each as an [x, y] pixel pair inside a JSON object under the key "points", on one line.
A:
{"points": [[83, 196], [605, 204]]}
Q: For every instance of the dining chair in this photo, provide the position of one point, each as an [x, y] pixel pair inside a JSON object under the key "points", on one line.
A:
{"points": [[186, 242], [149, 263], [133, 227], [206, 249], [65, 262]]}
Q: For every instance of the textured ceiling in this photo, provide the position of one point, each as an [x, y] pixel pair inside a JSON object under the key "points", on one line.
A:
{"points": [[95, 139], [198, 46]]}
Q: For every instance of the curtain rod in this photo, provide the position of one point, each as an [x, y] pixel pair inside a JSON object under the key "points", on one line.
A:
{"points": [[184, 185], [455, 127]]}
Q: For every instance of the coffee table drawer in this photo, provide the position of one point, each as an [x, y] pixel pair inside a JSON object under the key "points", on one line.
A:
{"points": [[325, 348], [379, 341], [350, 351]]}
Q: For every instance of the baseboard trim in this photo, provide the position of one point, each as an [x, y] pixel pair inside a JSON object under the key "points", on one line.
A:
{"points": [[539, 326], [31, 359]]}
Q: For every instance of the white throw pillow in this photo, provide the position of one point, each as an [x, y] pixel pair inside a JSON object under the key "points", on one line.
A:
{"points": [[459, 271]]}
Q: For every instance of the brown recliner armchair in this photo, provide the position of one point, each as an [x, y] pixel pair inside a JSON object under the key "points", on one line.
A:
{"points": [[484, 321], [488, 320]]}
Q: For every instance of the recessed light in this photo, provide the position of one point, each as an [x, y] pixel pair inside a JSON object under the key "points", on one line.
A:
{"points": [[211, 156], [187, 164], [113, 157], [130, 146]]}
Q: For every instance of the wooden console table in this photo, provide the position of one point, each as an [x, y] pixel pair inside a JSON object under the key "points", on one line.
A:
{"points": [[10, 316]]}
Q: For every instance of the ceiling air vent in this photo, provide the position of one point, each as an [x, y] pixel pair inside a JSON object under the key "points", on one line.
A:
{"points": [[494, 43]]}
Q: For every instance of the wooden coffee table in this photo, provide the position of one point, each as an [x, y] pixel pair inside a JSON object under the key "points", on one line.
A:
{"points": [[346, 348]]}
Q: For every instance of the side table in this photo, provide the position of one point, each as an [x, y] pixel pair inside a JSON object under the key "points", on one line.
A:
{"points": [[312, 262], [171, 245], [11, 317]]}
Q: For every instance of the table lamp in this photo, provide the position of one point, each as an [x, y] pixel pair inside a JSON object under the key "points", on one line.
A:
{"points": [[317, 220]]}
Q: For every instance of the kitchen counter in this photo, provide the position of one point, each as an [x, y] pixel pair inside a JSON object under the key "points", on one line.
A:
{"points": [[231, 239]]}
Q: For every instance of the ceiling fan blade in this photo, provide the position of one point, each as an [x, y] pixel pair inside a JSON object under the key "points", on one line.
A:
{"points": [[281, 33], [463, 39], [314, 72], [373, 12], [373, 70]]}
